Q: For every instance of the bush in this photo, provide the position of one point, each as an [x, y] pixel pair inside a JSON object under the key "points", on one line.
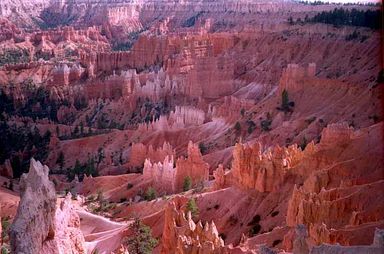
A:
{"points": [[14, 56], [290, 21], [101, 200], [380, 77], [237, 127], [353, 36], [192, 20], [233, 220], [203, 148], [276, 242], [192, 207], [150, 194], [266, 125], [255, 220], [275, 213], [255, 230], [251, 126], [303, 144], [187, 184], [5, 225], [4, 250]]}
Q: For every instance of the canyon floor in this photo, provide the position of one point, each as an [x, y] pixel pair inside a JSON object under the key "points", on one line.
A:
{"points": [[191, 127]]}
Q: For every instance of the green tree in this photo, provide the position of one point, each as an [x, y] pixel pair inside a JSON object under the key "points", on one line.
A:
{"points": [[57, 131], [237, 127], [60, 160], [90, 168], [242, 112], [290, 20], [81, 128], [76, 131], [77, 170], [380, 76], [16, 167], [192, 207], [284, 100], [141, 240], [251, 126], [187, 184]]}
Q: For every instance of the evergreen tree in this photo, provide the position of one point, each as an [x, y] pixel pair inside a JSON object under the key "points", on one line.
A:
{"points": [[60, 160], [284, 100], [57, 131], [141, 241], [237, 127], [81, 128]]}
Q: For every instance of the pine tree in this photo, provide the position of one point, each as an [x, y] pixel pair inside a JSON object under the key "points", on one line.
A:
{"points": [[141, 241], [284, 100], [60, 160]]}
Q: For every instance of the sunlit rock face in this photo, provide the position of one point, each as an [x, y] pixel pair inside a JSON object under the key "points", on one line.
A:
{"points": [[40, 225], [182, 235], [34, 223]]}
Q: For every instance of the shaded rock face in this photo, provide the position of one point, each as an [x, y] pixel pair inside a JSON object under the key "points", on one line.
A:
{"points": [[338, 202], [193, 166], [34, 223], [161, 174], [166, 177], [264, 171], [141, 152], [68, 235], [300, 245], [182, 235], [39, 226]]}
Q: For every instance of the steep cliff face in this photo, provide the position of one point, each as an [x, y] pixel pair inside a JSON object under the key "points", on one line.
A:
{"points": [[34, 223], [39, 226], [253, 168], [193, 166], [334, 201], [182, 117], [162, 174], [141, 152], [182, 235]]}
